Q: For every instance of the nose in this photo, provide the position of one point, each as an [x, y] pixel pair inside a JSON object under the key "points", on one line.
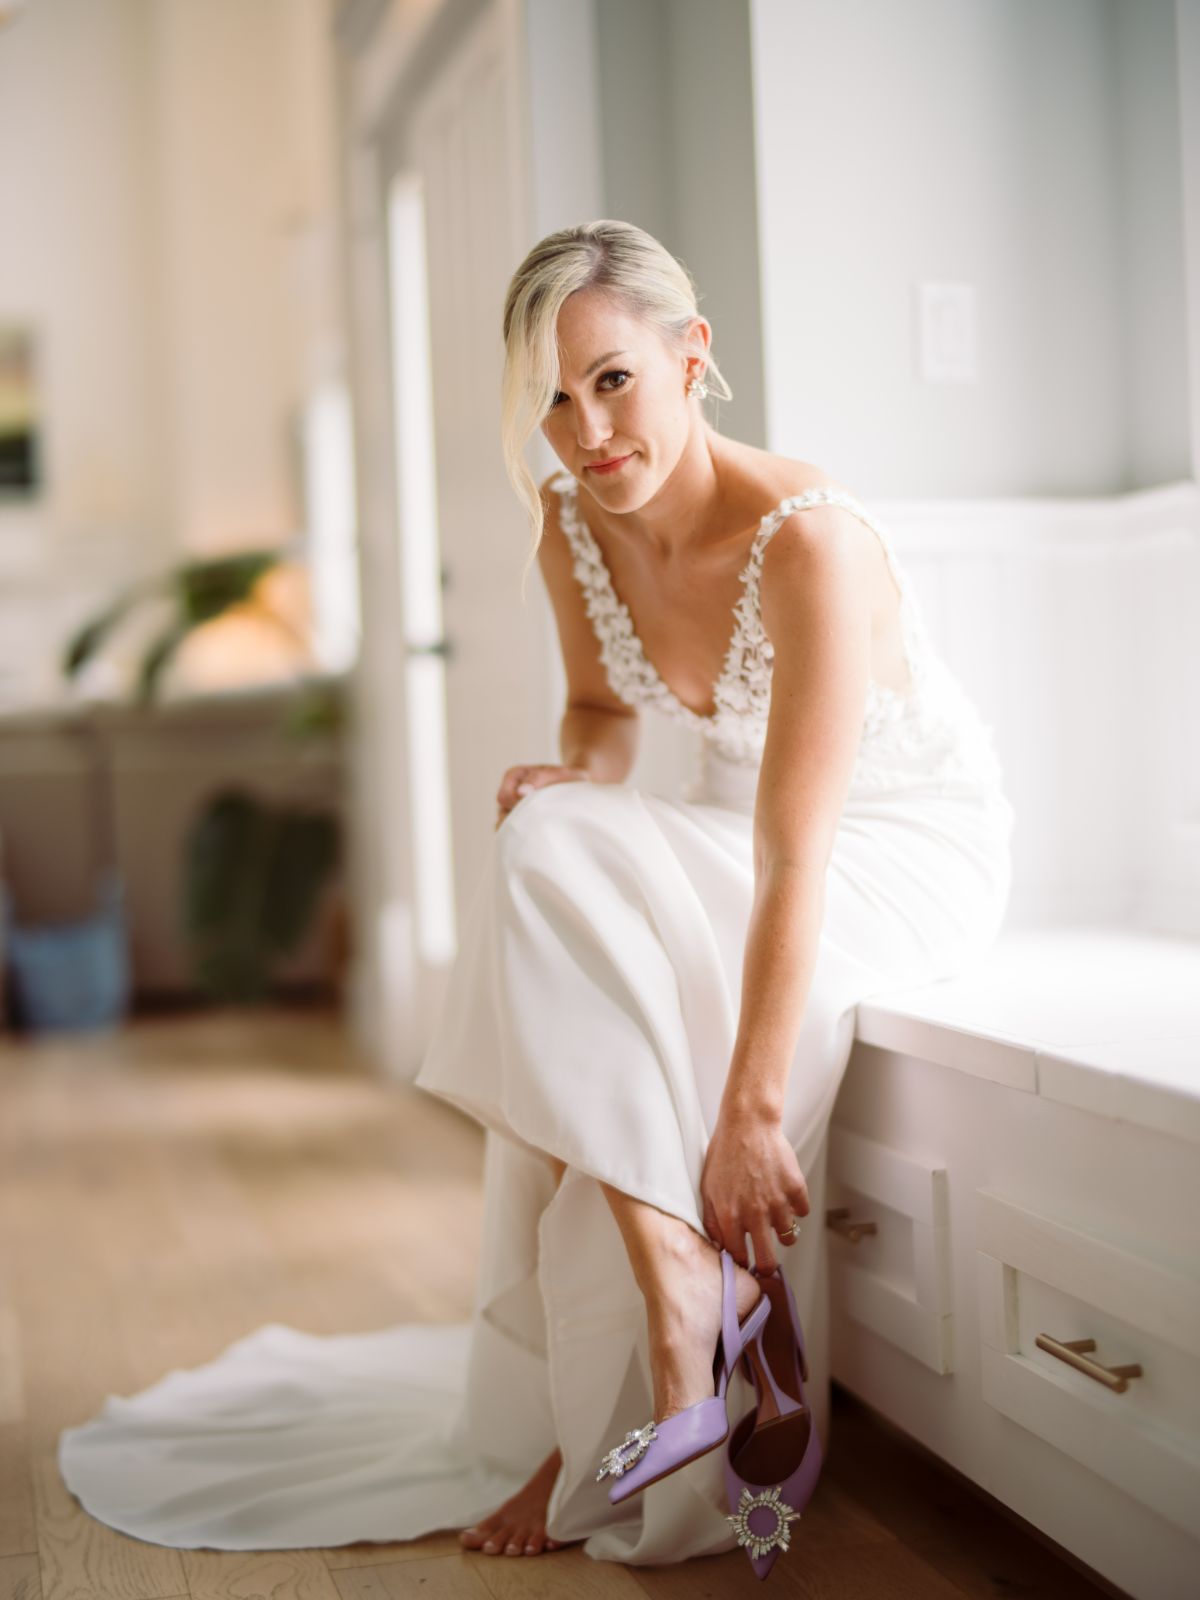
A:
{"points": [[592, 426]]}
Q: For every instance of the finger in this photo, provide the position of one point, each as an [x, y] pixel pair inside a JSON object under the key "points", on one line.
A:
{"points": [[798, 1196], [711, 1226], [734, 1237], [764, 1253], [507, 791], [781, 1219]]}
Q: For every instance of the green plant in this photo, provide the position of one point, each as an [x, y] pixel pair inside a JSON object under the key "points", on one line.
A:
{"points": [[253, 872], [253, 875], [201, 590]]}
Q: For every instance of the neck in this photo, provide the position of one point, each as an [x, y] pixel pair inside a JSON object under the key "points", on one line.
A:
{"points": [[691, 501]]}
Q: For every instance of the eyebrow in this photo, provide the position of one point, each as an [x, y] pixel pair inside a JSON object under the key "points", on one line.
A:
{"points": [[600, 360]]}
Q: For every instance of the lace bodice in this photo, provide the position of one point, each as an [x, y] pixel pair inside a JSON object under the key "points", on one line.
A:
{"points": [[930, 732]]}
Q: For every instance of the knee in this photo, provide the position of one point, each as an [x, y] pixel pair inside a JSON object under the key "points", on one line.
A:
{"points": [[530, 821]]}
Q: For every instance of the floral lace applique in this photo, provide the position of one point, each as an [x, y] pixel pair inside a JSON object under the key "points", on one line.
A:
{"points": [[929, 729]]}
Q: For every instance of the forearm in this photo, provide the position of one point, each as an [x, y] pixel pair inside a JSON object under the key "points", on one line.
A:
{"points": [[782, 943], [603, 743]]}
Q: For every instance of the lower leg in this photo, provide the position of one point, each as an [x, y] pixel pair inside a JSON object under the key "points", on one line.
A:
{"points": [[678, 1271]]}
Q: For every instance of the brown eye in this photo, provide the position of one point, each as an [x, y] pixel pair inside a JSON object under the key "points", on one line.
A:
{"points": [[616, 372]]}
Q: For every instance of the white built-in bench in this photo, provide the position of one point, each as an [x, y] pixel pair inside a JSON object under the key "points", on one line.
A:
{"points": [[1026, 1141]]}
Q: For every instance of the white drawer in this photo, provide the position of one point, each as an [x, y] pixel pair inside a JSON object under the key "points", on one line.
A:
{"points": [[894, 1279], [1038, 1275]]}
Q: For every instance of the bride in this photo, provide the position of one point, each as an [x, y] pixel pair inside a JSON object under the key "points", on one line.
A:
{"points": [[652, 1005]]}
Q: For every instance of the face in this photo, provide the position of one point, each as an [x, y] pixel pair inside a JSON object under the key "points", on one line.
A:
{"points": [[634, 403]]}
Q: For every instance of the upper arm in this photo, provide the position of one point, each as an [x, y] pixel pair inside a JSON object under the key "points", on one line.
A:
{"points": [[815, 600], [587, 681]]}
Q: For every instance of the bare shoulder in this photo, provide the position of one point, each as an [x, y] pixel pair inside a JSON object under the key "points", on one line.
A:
{"points": [[820, 548], [789, 476], [766, 478]]}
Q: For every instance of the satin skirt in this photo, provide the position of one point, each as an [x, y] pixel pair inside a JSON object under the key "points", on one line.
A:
{"points": [[590, 1016]]}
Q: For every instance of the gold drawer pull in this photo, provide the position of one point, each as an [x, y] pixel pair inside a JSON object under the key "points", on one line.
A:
{"points": [[838, 1218], [1068, 1350]]}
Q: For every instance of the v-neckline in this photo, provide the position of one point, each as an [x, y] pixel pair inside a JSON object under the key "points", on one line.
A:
{"points": [[702, 718]]}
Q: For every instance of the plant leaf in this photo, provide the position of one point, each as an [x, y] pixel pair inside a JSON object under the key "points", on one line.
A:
{"points": [[205, 589], [159, 656], [87, 639]]}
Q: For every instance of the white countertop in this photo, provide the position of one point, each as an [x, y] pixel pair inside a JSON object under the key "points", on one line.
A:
{"points": [[1107, 1019]]}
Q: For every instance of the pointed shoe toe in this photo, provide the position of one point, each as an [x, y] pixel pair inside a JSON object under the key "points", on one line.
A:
{"points": [[656, 1449], [766, 1499], [773, 1457]]}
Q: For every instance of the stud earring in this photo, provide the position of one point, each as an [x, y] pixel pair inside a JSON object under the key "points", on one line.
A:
{"points": [[697, 388]]}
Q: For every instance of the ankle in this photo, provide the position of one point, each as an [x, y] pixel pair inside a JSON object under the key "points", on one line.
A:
{"points": [[676, 1257]]}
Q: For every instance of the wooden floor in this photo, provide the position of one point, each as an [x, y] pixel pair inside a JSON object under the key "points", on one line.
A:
{"points": [[167, 1189]]}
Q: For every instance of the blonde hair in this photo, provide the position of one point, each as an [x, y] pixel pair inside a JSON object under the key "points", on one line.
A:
{"points": [[618, 257]]}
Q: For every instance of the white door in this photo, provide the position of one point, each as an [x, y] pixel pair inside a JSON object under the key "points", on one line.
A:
{"points": [[478, 696]]}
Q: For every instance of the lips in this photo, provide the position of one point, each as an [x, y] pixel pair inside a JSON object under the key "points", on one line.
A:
{"points": [[607, 466]]}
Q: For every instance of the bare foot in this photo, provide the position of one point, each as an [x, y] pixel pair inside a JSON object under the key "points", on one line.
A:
{"points": [[683, 1315], [519, 1526]]}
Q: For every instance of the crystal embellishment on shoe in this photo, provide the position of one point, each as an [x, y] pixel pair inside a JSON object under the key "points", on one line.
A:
{"points": [[664, 1447], [616, 1462], [757, 1543]]}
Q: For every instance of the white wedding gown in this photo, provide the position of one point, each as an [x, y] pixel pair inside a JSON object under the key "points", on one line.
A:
{"points": [[591, 1014]]}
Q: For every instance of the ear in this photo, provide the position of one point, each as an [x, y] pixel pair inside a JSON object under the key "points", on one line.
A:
{"points": [[698, 341]]}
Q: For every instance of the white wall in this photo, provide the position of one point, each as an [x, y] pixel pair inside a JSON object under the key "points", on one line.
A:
{"points": [[677, 133], [166, 173], [79, 260], [1030, 150]]}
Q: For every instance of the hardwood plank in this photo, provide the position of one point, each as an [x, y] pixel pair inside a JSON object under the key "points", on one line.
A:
{"points": [[443, 1578], [18, 1529], [12, 1398], [555, 1573], [19, 1578], [82, 1558], [257, 1575]]}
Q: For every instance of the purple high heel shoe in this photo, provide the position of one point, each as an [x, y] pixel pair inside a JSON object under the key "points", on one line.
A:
{"points": [[649, 1453], [773, 1457]]}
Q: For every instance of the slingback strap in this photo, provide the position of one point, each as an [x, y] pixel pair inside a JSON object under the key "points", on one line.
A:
{"points": [[787, 1289], [731, 1334], [783, 1402]]}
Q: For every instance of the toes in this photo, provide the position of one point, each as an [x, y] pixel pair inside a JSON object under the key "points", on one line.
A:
{"points": [[494, 1536], [473, 1537]]}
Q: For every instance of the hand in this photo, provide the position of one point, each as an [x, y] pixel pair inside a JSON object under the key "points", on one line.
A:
{"points": [[519, 781], [751, 1183]]}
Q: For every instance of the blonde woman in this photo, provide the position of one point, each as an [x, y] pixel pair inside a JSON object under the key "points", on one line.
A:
{"points": [[654, 997]]}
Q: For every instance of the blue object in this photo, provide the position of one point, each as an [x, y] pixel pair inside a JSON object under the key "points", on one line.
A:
{"points": [[70, 975]]}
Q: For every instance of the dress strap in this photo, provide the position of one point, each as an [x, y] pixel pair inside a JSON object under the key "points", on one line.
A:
{"points": [[836, 497], [917, 648]]}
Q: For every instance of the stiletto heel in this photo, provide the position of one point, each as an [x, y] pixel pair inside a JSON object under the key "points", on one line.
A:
{"points": [[773, 1456], [651, 1452]]}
